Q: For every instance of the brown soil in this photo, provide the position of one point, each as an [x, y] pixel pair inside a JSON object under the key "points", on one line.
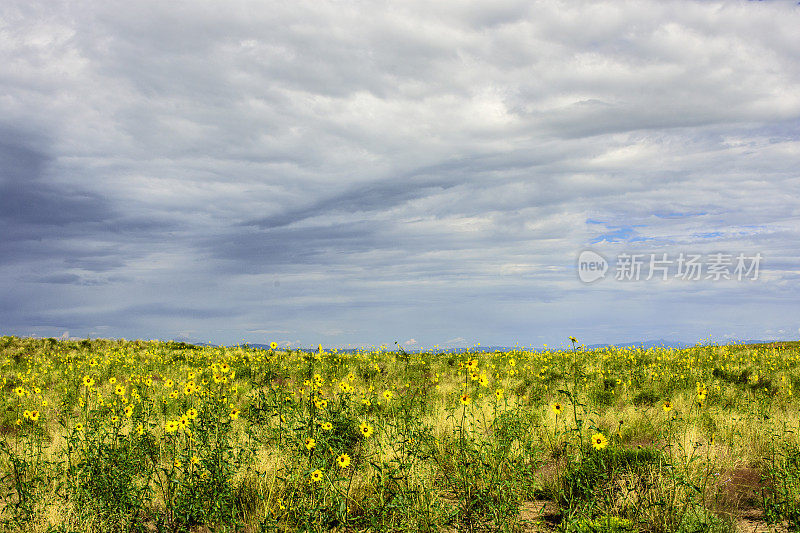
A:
{"points": [[8, 429], [752, 521], [742, 487], [538, 516]]}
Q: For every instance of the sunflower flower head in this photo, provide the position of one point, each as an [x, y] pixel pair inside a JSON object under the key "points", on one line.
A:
{"points": [[366, 429], [599, 441], [343, 460]]}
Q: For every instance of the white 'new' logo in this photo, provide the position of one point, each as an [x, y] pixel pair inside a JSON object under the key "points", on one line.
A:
{"points": [[591, 266]]}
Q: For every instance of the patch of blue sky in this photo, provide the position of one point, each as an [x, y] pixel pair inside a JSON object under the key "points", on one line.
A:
{"points": [[677, 214], [777, 131], [733, 232], [708, 235], [621, 234], [753, 226]]}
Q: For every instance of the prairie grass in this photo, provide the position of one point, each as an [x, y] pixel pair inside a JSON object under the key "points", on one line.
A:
{"points": [[106, 435]]}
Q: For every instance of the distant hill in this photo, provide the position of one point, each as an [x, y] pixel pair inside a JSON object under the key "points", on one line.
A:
{"points": [[662, 343], [658, 343]]}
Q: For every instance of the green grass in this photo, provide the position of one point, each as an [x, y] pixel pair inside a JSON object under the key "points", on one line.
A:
{"points": [[102, 435]]}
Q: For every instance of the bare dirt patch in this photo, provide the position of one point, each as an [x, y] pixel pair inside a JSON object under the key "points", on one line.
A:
{"points": [[752, 521], [741, 491], [742, 487], [538, 516]]}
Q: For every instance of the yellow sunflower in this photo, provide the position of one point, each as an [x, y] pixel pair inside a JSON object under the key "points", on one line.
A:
{"points": [[343, 460], [366, 429], [599, 441]]}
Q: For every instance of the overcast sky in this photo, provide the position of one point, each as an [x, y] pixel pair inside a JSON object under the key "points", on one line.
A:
{"points": [[414, 171]]}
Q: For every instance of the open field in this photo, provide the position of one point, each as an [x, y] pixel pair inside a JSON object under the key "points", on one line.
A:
{"points": [[102, 435]]}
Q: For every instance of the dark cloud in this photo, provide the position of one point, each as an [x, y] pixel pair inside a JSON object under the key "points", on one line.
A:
{"points": [[263, 250], [34, 208], [161, 310], [370, 198], [26, 197], [67, 279]]}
